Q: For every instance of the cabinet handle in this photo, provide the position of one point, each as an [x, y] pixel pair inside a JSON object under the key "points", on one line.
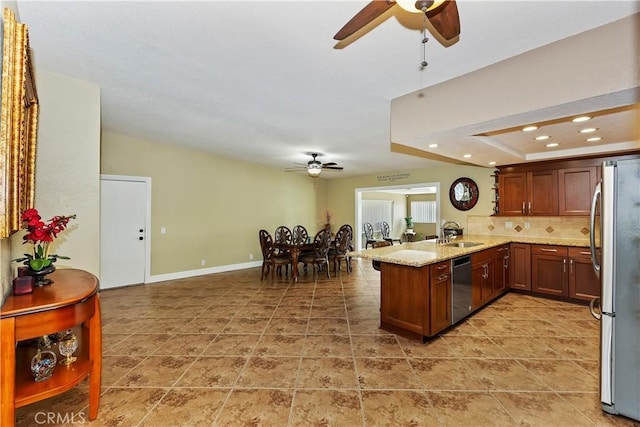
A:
{"points": [[571, 266], [506, 261], [523, 207], [548, 250], [588, 253], [442, 267], [564, 265], [529, 211], [443, 277]]}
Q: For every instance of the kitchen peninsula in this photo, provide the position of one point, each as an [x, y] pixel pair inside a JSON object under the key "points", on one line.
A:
{"points": [[425, 287]]}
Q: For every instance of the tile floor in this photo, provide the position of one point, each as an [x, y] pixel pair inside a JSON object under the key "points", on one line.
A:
{"points": [[228, 350]]}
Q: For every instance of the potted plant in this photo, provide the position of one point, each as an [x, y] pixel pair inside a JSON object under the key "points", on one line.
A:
{"points": [[409, 221]]}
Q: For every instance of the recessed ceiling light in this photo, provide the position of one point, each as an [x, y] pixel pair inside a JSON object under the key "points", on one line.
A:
{"points": [[433, 145], [594, 139], [529, 128], [588, 130], [492, 163], [466, 156], [581, 119], [552, 144], [542, 137]]}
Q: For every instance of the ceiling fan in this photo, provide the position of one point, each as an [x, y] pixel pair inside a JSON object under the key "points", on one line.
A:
{"points": [[442, 14], [315, 167]]}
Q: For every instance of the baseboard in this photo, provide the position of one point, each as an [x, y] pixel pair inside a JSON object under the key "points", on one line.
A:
{"points": [[202, 271]]}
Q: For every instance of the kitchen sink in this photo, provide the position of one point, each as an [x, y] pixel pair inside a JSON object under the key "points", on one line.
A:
{"points": [[463, 244]]}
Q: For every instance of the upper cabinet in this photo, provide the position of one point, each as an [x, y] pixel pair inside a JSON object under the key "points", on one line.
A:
{"points": [[563, 188], [529, 193], [575, 187]]}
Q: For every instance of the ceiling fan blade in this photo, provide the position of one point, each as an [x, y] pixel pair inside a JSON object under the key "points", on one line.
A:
{"points": [[335, 168], [329, 164], [362, 18], [295, 169], [445, 20]]}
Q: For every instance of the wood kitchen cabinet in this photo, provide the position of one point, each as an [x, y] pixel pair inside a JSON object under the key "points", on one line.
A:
{"points": [[549, 270], [404, 299], [502, 270], [482, 277], [520, 260], [440, 298], [529, 193], [575, 188], [583, 282]]}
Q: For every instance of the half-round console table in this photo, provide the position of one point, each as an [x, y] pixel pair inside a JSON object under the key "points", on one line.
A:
{"points": [[71, 301]]}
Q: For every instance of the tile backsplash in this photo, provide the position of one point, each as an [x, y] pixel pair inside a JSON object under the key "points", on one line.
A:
{"points": [[562, 227]]}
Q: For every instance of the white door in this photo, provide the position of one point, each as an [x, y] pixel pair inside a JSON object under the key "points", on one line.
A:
{"points": [[123, 230]]}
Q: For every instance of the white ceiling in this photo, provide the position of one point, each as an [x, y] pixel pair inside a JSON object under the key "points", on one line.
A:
{"points": [[263, 81]]}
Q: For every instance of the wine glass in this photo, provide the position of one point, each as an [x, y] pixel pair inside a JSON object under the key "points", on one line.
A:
{"points": [[67, 345]]}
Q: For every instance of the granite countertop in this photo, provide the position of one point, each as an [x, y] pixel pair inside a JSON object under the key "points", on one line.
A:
{"points": [[425, 252]]}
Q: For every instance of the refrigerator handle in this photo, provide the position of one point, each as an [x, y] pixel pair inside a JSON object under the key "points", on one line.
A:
{"points": [[592, 308], [592, 228]]}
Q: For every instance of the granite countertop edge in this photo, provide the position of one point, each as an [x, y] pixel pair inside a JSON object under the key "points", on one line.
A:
{"points": [[419, 254]]}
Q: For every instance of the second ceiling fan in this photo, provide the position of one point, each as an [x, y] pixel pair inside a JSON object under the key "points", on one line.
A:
{"points": [[442, 14]]}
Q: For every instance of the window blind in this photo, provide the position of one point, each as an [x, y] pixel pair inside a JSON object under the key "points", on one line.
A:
{"points": [[424, 211], [374, 211]]}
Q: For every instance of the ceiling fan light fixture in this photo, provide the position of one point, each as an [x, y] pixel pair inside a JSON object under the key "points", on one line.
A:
{"points": [[314, 169], [419, 6]]}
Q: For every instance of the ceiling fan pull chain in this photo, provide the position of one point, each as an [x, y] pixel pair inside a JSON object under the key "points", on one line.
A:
{"points": [[425, 39]]}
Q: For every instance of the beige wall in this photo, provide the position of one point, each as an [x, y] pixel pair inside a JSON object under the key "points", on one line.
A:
{"points": [[212, 207], [342, 191]]}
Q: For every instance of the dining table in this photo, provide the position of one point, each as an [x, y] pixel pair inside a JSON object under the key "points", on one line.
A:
{"points": [[295, 248]]}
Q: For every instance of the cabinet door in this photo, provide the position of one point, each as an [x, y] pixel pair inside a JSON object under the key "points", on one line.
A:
{"points": [[404, 297], [488, 285], [520, 260], [549, 274], [440, 300], [502, 279], [575, 188], [583, 282], [478, 272], [512, 188], [542, 193]]}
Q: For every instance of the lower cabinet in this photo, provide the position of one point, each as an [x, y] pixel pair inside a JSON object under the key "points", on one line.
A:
{"points": [[404, 299], [549, 267], [520, 266], [583, 282], [440, 298], [482, 277], [502, 270], [564, 271], [415, 301]]}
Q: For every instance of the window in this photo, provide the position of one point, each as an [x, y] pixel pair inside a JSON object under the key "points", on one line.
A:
{"points": [[374, 211], [424, 212]]}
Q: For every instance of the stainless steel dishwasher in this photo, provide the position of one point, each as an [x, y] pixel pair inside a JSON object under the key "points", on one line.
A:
{"points": [[461, 289]]}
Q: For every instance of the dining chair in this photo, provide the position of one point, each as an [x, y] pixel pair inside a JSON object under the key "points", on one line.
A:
{"points": [[368, 234], [375, 263], [281, 236], [351, 247], [340, 250], [386, 230], [300, 234], [270, 258], [319, 256]]}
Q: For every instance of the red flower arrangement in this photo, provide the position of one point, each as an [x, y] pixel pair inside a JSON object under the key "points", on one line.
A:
{"points": [[41, 234]]}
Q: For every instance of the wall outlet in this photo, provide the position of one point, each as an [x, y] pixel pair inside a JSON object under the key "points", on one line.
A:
{"points": [[203, 262], [527, 225], [163, 230], [508, 224], [250, 257]]}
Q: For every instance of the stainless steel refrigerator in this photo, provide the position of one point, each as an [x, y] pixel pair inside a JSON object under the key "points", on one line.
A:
{"points": [[616, 209]]}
